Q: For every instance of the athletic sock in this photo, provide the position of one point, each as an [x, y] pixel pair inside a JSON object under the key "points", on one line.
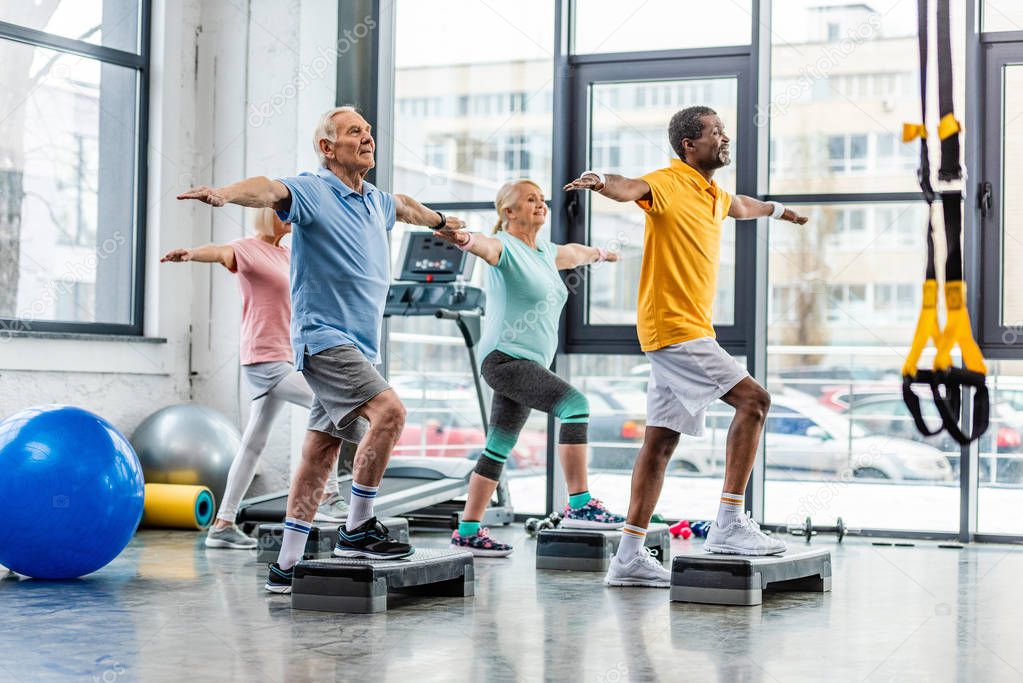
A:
{"points": [[633, 538], [577, 500], [296, 533], [731, 508], [361, 507], [468, 528]]}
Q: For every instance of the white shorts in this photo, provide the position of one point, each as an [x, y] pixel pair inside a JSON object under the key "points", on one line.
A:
{"points": [[685, 379]]}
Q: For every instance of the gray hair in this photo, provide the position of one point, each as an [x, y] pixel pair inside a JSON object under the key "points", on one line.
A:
{"points": [[687, 124], [327, 130]]}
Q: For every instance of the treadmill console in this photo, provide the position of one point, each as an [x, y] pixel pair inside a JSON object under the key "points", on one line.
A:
{"points": [[432, 278], [428, 258]]}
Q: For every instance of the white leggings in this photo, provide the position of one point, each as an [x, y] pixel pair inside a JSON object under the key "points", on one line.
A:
{"points": [[262, 412]]}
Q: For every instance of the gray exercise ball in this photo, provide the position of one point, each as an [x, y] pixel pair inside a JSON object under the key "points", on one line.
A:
{"points": [[187, 444]]}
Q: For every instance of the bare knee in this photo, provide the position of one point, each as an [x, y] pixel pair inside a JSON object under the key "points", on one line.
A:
{"points": [[757, 404], [387, 413]]}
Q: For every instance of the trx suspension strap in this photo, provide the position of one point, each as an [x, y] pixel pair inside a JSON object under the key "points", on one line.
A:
{"points": [[945, 375]]}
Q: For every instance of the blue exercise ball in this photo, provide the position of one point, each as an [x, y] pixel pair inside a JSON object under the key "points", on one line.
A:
{"points": [[72, 491]]}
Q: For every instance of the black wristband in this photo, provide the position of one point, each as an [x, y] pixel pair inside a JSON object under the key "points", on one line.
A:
{"points": [[443, 222]]}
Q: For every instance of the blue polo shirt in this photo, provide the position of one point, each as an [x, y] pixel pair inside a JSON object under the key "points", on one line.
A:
{"points": [[340, 264]]}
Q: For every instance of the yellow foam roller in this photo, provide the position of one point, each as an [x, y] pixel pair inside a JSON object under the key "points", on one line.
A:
{"points": [[177, 506]]}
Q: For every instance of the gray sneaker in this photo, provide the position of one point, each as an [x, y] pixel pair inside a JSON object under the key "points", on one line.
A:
{"points": [[334, 509], [230, 537]]}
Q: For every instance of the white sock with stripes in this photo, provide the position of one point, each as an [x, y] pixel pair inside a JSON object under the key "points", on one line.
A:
{"points": [[731, 508], [633, 538], [296, 533], [361, 507]]}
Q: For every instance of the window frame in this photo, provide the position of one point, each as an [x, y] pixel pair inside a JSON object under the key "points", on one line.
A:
{"points": [[139, 62]]}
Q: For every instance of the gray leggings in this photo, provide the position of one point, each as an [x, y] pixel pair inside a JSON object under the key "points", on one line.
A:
{"points": [[519, 387]]}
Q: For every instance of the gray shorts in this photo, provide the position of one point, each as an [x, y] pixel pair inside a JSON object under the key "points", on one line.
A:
{"points": [[262, 377], [685, 379], [342, 381]]}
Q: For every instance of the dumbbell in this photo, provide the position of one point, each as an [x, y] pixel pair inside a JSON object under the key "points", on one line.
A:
{"points": [[532, 526], [681, 528]]}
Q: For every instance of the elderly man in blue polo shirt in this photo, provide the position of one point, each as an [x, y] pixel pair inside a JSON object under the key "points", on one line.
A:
{"points": [[340, 274]]}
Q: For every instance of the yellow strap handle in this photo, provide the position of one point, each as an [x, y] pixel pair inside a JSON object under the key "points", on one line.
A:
{"points": [[927, 328], [912, 131], [948, 126], [958, 331]]}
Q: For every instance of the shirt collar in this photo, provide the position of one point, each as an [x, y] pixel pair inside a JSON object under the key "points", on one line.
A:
{"points": [[694, 175], [327, 175]]}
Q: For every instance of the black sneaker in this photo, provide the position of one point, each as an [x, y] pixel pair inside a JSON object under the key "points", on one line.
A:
{"points": [[371, 540], [279, 580]]}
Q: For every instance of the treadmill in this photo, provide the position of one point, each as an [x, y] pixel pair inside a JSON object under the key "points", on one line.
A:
{"points": [[428, 491]]}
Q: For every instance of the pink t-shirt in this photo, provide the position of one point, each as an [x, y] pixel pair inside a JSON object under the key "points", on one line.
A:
{"points": [[263, 278]]}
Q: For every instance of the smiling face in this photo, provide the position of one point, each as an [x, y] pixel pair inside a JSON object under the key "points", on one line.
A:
{"points": [[528, 208], [711, 150], [353, 146]]}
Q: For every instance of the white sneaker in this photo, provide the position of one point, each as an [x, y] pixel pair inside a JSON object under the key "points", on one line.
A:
{"points": [[742, 537], [230, 537], [642, 570], [334, 510]]}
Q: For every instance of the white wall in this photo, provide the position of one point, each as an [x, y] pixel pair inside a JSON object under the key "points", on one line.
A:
{"points": [[235, 91]]}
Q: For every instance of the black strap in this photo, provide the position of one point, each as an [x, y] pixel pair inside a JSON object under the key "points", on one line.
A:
{"points": [[946, 386], [912, 401], [923, 173], [954, 379], [949, 168]]}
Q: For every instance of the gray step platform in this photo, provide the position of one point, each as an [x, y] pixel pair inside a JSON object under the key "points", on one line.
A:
{"points": [[361, 586], [742, 580], [590, 550], [322, 538]]}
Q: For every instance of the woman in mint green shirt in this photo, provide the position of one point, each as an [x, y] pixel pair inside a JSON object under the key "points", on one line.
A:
{"points": [[525, 295]]}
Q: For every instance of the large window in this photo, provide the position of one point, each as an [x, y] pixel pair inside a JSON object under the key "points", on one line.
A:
{"points": [[846, 287], [839, 441], [823, 134], [71, 172], [603, 26], [470, 114], [843, 81]]}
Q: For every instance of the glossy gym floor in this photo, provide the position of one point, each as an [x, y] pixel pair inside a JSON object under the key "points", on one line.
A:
{"points": [[167, 607]]}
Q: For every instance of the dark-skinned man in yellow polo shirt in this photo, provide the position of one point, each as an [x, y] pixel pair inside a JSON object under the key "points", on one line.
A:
{"points": [[688, 369]]}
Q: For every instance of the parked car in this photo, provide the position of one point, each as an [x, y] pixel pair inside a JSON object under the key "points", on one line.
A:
{"points": [[886, 414], [811, 379], [450, 428], [801, 436]]}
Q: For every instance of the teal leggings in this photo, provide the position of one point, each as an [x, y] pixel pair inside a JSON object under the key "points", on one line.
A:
{"points": [[519, 387]]}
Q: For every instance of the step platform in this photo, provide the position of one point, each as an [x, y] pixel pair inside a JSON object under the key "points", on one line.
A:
{"points": [[322, 538], [742, 580], [590, 550], [361, 586]]}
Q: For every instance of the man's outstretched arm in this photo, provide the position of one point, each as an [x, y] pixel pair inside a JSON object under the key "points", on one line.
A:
{"points": [[745, 208], [616, 187], [258, 192], [408, 210]]}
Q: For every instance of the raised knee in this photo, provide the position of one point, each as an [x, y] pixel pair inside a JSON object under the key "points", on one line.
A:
{"points": [[758, 405], [575, 408], [392, 417]]}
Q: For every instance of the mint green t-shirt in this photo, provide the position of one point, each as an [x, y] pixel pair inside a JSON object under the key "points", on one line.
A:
{"points": [[525, 296]]}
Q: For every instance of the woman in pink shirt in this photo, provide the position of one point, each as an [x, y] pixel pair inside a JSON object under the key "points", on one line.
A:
{"points": [[262, 265]]}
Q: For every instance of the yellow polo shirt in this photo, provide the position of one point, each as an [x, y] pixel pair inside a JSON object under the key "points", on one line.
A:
{"points": [[681, 250]]}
